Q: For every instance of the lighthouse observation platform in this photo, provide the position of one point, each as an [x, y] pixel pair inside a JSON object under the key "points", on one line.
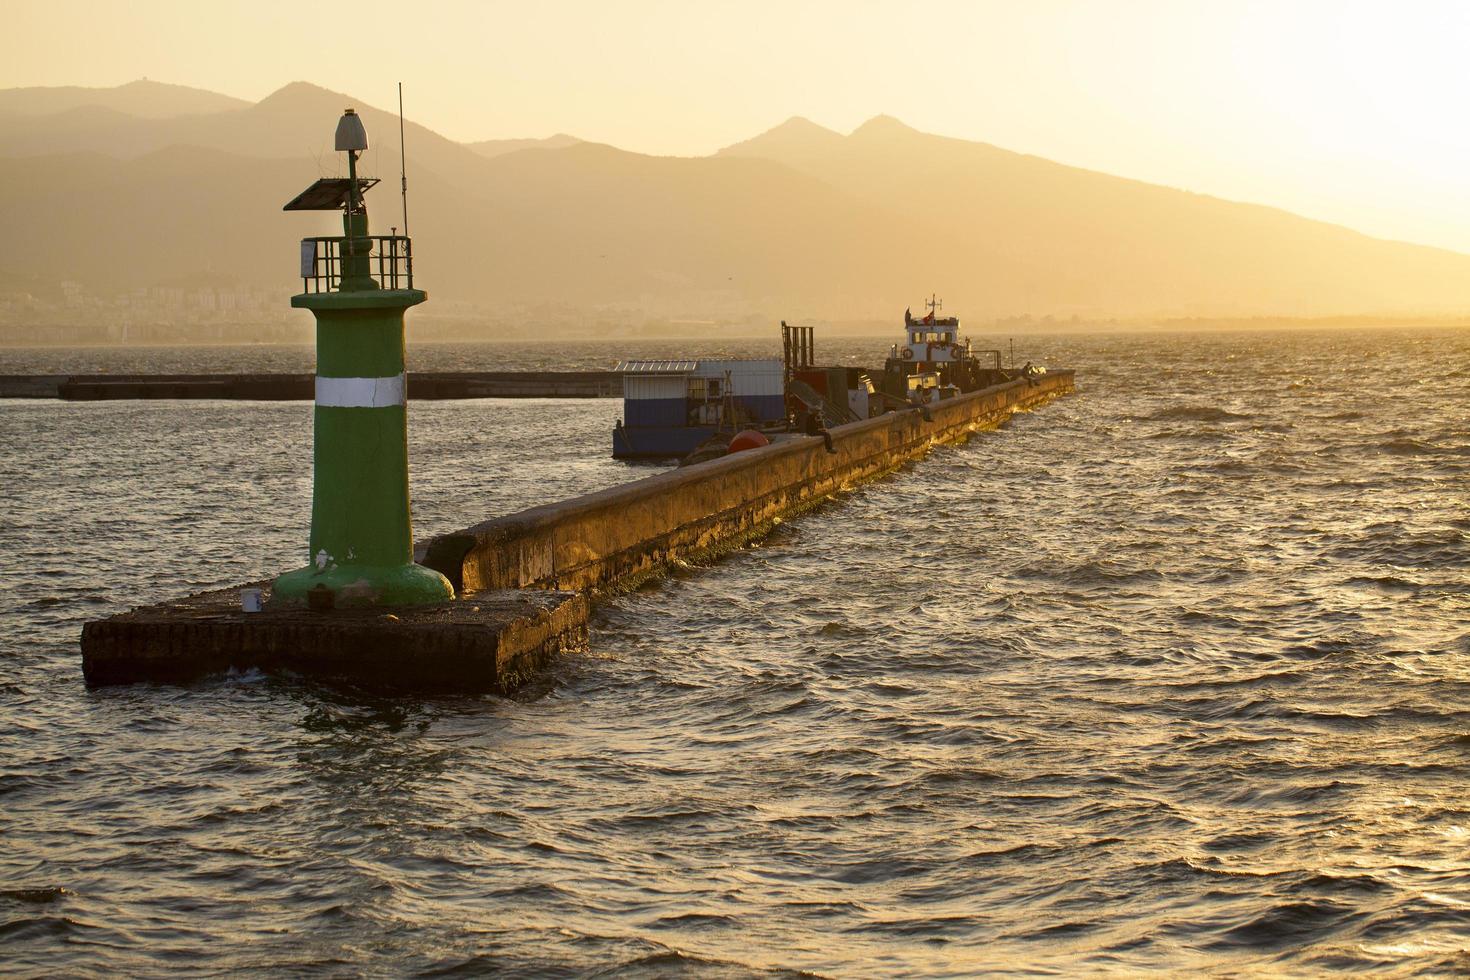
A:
{"points": [[389, 262], [525, 583]]}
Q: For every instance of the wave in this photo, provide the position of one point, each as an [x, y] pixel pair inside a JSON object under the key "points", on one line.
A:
{"points": [[1090, 573], [1383, 583], [36, 896], [1407, 447], [1195, 413], [1289, 924]]}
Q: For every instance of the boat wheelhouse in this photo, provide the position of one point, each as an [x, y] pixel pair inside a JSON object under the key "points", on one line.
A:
{"points": [[934, 361], [671, 406], [931, 339]]}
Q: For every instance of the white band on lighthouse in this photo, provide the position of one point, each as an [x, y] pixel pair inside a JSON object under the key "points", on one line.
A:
{"points": [[359, 392]]}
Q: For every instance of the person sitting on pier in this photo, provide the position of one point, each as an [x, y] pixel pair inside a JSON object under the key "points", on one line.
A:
{"points": [[812, 425]]}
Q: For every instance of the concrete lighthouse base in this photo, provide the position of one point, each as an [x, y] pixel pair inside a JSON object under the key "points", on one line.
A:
{"points": [[363, 585], [491, 641]]}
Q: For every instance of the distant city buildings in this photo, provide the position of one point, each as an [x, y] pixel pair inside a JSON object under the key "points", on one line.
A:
{"points": [[71, 312]]}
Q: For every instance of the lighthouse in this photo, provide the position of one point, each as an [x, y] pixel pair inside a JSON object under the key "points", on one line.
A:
{"points": [[358, 286]]}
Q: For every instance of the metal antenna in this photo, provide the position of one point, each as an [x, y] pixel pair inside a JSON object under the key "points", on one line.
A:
{"points": [[402, 161]]}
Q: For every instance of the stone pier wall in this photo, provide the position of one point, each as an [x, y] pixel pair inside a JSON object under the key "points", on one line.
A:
{"points": [[616, 537]]}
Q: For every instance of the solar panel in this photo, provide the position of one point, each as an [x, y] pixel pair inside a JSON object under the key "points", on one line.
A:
{"points": [[656, 367], [327, 194]]}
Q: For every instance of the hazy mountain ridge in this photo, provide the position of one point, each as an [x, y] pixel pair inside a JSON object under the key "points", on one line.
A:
{"points": [[495, 148], [799, 219], [142, 98], [1073, 237]]}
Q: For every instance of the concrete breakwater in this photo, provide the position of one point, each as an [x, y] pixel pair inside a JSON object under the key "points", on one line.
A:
{"points": [[302, 387], [626, 532], [525, 581]]}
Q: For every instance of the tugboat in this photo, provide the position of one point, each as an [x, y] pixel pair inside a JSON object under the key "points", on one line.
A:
{"points": [[934, 362], [932, 339]]}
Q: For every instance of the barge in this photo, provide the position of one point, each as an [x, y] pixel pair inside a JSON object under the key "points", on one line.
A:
{"points": [[692, 409], [671, 406]]}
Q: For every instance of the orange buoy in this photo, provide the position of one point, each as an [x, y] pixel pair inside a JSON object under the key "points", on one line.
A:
{"points": [[748, 439]]}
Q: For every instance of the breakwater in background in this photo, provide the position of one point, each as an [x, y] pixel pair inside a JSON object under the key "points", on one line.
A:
{"points": [[517, 355], [427, 385], [1173, 674]]}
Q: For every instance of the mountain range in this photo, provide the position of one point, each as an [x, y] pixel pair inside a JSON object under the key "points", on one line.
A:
{"points": [[149, 184]]}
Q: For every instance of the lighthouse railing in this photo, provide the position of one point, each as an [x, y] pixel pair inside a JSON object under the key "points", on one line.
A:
{"points": [[390, 262]]}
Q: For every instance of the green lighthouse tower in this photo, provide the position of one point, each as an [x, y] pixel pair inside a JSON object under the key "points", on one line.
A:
{"points": [[358, 286]]}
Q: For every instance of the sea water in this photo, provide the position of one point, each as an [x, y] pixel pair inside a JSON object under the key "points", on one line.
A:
{"points": [[1173, 673]]}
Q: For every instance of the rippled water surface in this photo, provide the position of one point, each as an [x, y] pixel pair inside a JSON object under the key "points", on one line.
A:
{"points": [[1173, 674]]}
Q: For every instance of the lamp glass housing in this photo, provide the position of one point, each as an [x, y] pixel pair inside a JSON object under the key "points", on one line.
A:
{"points": [[351, 134]]}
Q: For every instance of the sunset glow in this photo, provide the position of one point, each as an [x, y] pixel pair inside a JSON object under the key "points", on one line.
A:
{"points": [[740, 488], [1348, 112]]}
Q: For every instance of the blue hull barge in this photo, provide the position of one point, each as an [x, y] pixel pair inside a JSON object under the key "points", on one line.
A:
{"points": [[670, 407]]}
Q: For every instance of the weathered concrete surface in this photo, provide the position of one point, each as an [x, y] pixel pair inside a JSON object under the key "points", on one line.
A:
{"points": [[487, 642], [302, 387], [620, 535]]}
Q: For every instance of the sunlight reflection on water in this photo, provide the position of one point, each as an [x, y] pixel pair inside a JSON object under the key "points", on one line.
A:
{"points": [[1172, 674]]}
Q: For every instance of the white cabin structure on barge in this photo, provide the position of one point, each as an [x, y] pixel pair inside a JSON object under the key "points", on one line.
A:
{"points": [[671, 406]]}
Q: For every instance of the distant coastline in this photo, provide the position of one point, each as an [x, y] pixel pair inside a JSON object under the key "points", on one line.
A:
{"points": [[470, 330]]}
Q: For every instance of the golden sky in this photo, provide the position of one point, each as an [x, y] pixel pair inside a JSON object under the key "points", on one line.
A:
{"points": [[1353, 112]]}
